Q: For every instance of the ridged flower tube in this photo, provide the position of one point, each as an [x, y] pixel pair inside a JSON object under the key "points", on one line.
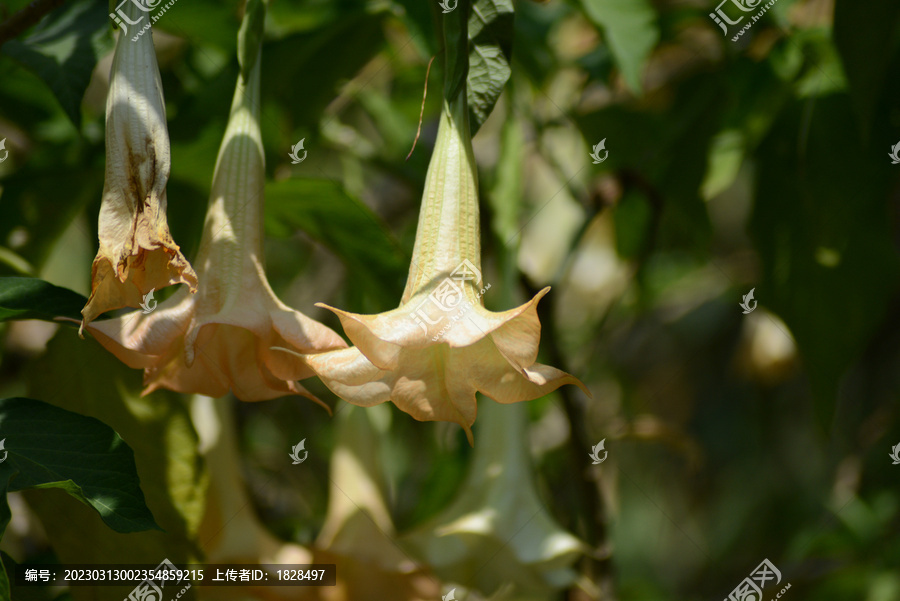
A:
{"points": [[441, 346], [220, 338], [137, 253]]}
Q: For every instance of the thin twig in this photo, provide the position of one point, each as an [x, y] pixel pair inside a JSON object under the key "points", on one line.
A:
{"points": [[422, 111]]}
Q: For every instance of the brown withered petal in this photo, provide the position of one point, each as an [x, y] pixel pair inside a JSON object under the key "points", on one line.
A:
{"points": [[137, 253], [220, 338]]}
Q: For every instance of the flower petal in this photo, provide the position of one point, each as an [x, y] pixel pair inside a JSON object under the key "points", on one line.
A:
{"points": [[137, 253]]}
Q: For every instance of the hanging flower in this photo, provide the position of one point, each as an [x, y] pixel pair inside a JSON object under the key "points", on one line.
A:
{"points": [[220, 338], [137, 254], [358, 534], [496, 534], [441, 346]]}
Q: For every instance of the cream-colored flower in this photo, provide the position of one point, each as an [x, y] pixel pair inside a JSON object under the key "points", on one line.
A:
{"points": [[137, 253], [441, 346], [358, 534], [496, 534], [219, 339]]}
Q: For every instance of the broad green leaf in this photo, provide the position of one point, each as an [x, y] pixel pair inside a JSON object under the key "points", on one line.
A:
{"points": [[202, 22], [64, 49], [81, 376], [298, 57], [49, 447], [324, 211], [490, 50], [820, 225], [32, 298], [630, 30], [669, 149], [866, 56]]}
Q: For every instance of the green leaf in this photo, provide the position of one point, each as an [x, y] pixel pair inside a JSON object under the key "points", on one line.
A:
{"points": [[159, 430], [866, 57], [631, 32], [49, 447], [323, 210], [64, 49], [820, 226], [490, 43], [31, 298], [298, 57]]}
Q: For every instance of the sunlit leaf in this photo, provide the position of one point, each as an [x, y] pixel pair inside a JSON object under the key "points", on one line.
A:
{"points": [[79, 375], [49, 447], [630, 31], [32, 298]]}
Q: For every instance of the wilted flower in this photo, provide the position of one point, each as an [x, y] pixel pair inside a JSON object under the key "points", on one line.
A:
{"points": [[220, 338], [496, 533], [441, 346], [137, 253]]}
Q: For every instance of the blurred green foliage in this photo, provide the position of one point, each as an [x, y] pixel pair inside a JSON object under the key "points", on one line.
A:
{"points": [[760, 163]]}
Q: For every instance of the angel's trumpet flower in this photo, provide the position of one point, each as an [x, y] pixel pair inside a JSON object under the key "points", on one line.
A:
{"points": [[358, 534], [137, 253], [441, 346], [497, 532], [220, 338]]}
